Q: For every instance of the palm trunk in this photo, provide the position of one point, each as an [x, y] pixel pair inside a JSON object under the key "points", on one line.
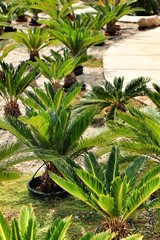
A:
{"points": [[32, 54], [12, 109], [111, 28], [47, 184]]}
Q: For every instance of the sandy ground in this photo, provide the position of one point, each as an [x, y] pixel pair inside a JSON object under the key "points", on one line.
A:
{"points": [[91, 76]]}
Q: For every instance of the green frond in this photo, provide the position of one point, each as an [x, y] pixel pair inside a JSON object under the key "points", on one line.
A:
{"points": [[94, 184], [69, 187], [112, 166], [77, 127], [133, 168], [119, 190], [59, 229], [134, 237], [6, 175], [5, 231], [140, 195], [154, 204], [93, 167]]}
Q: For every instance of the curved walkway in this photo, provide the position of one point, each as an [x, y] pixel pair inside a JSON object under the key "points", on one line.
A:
{"points": [[138, 55]]}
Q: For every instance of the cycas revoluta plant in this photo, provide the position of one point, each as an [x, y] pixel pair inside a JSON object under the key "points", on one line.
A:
{"points": [[13, 81], [76, 40], [116, 195], [112, 97], [140, 133], [58, 66], [116, 9], [34, 40], [26, 227], [53, 133]]}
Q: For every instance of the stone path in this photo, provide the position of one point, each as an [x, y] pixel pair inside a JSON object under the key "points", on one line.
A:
{"points": [[138, 55]]}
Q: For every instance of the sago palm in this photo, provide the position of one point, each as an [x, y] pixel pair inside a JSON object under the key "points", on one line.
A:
{"points": [[34, 40], [116, 195], [53, 133], [76, 40], [139, 133], [57, 66], [116, 9], [13, 82], [112, 97]]}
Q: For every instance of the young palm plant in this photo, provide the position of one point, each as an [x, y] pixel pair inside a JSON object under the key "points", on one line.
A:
{"points": [[112, 97], [116, 9], [34, 40], [116, 195], [53, 133], [55, 9], [12, 84], [77, 40], [59, 66]]}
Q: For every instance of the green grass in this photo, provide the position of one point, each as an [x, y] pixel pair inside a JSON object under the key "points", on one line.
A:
{"points": [[14, 195], [94, 63]]}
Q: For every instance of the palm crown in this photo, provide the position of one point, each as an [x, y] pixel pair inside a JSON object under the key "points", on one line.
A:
{"points": [[12, 84], [76, 40], [115, 194], [112, 97], [116, 9], [34, 40], [58, 66], [47, 99]]}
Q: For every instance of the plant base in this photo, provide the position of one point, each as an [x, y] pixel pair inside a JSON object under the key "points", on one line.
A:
{"points": [[33, 185]]}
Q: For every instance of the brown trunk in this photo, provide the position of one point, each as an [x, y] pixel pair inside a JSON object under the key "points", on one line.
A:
{"points": [[111, 28], [12, 109], [47, 184], [33, 53], [69, 80], [118, 227]]}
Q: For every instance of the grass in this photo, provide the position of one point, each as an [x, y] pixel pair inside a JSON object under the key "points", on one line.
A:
{"points": [[94, 63], [14, 195]]}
